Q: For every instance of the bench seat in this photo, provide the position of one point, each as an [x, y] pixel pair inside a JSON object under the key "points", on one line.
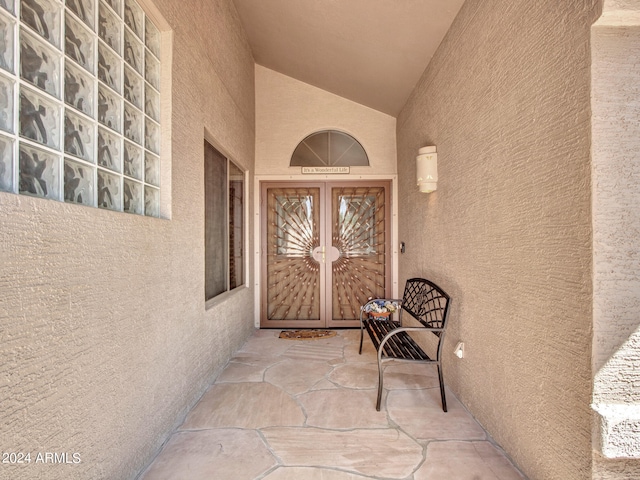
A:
{"points": [[400, 345]]}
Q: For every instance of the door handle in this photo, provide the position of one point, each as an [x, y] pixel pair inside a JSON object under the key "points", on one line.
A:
{"points": [[319, 254]]}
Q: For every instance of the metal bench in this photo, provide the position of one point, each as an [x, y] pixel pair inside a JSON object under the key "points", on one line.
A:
{"points": [[425, 302]]}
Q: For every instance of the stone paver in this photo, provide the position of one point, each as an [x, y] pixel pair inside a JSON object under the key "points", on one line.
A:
{"points": [[324, 385], [383, 452], [244, 405], [293, 410], [342, 409], [309, 473], [356, 375], [410, 375], [241, 372], [466, 461], [206, 454], [297, 377], [255, 359], [265, 345], [322, 352], [419, 413]]}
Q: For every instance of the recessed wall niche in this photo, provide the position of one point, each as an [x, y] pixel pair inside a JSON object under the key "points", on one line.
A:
{"points": [[79, 103]]}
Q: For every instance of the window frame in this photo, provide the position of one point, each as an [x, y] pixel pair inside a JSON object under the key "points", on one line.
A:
{"points": [[212, 299]]}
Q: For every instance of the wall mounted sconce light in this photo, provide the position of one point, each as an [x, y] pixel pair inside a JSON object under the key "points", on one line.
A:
{"points": [[427, 169]]}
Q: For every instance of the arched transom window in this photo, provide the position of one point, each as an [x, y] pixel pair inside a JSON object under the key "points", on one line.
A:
{"points": [[329, 148]]}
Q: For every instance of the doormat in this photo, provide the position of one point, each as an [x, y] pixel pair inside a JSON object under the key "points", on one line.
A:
{"points": [[306, 334]]}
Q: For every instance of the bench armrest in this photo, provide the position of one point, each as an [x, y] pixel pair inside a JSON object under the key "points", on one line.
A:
{"points": [[396, 331]]}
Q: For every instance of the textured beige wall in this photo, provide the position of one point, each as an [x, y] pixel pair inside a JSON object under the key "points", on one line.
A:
{"points": [[616, 216], [508, 232], [616, 222], [104, 338], [288, 110]]}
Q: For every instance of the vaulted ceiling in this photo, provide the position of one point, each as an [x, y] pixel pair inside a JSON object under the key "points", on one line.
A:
{"points": [[370, 51]]}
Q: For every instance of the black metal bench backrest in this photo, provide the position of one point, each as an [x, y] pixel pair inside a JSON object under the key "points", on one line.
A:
{"points": [[426, 302]]}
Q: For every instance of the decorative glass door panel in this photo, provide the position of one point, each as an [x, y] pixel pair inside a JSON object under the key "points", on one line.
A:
{"points": [[359, 234], [292, 274], [324, 252]]}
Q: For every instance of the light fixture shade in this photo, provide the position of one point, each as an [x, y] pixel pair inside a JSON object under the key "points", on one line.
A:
{"points": [[427, 169]]}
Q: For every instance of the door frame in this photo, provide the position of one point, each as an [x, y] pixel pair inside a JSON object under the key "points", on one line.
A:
{"points": [[300, 179]]}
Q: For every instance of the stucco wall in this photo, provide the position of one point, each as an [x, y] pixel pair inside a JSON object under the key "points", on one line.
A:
{"points": [[288, 110], [616, 177], [616, 222], [104, 339], [508, 232]]}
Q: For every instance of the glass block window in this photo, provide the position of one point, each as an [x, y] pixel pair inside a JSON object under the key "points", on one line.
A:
{"points": [[80, 103]]}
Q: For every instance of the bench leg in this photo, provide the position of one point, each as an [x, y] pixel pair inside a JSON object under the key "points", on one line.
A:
{"points": [[380, 384], [444, 400]]}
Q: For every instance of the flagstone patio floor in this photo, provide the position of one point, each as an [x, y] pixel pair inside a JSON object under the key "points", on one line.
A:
{"points": [[305, 409]]}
